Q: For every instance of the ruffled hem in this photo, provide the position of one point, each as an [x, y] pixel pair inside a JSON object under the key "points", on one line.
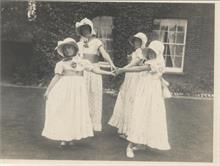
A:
{"points": [[97, 127], [70, 138], [152, 144], [114, 122]]}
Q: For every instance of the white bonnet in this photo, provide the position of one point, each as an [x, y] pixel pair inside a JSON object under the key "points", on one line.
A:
{"points": [[140, 36], [83, 22], [68, 40], [157, 46]]}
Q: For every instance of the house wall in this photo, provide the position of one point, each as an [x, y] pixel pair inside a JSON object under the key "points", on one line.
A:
{"points": [[55, 22], [199, 52]]}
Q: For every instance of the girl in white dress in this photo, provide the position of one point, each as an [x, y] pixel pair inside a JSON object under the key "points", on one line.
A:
{"points": [[67, 109], [148, 124], [124, 103], [90, 48]]}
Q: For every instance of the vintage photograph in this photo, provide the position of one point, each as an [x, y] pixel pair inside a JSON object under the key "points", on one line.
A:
{"points": [[107, 81]]}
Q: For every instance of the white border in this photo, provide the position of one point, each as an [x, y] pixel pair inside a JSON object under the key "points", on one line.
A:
{"points": [[216, 136]]}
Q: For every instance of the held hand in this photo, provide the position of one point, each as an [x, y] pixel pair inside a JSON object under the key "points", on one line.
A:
{"points": [[112, 74], [119, 71], [113, 67]]}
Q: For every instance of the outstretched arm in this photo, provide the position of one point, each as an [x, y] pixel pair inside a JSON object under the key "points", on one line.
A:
{"points": [[134, 69], [106, 56], [102, 72], [54, 80]]}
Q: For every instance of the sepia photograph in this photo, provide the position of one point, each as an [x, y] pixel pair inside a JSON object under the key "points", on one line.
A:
{"points": [[109, 82]]}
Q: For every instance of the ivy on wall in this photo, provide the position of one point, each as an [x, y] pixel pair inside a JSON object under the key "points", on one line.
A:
{"points": [[55, 21]]}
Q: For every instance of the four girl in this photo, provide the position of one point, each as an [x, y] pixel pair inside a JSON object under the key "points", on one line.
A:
{"points": [[74, 96]]}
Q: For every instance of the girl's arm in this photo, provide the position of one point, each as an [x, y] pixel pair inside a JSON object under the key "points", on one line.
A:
{"points": [[106, 56], [54, 80], [102, 72], [134, 69]]}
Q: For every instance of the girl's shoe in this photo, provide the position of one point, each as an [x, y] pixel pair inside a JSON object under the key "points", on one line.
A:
{"points": [[63, 144], [122, 136], [136, 148], [139, 147], [71, 143], [129, 152]]}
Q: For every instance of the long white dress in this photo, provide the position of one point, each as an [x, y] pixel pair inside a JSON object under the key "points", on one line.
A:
{"points": [[90, 51], [148, 123], [125, 100], [67, 110]]}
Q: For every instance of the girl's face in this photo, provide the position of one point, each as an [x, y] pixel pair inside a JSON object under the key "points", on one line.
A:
{"points": [[151, 54], [137, 43], [69, 50], [85, 31]]}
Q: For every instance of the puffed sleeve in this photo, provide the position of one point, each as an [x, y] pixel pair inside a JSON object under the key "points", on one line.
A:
{"points": [[98, 43], [58, 68]]}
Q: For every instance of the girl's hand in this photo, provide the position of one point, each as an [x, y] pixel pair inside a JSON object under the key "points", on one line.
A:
{"points": [[113, 73], [46, 95], [119, 71], [113, 67]]}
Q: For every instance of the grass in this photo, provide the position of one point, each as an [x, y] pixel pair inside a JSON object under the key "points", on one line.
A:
{"points": [[190, 128]]}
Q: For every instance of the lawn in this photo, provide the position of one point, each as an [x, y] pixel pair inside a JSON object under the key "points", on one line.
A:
{"points": [[190, 128]]}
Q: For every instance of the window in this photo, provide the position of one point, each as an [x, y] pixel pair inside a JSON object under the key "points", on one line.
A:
{"points": [[103, 26], [172, 32]]}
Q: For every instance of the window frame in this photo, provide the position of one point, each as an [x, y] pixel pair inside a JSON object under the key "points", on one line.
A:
{"points": [[185, 23], [105, 39]]}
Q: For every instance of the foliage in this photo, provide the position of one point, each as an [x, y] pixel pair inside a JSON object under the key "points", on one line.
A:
{"points": [[56, 20]]}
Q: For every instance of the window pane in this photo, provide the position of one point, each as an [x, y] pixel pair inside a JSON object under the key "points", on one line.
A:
{"points": [[164, 28], [166, 49], [179, 50], [180, 38], [170, 49], [180, 28], [172, 37], [168, 61], [178, 62], [172, 27], [163, 36]]}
